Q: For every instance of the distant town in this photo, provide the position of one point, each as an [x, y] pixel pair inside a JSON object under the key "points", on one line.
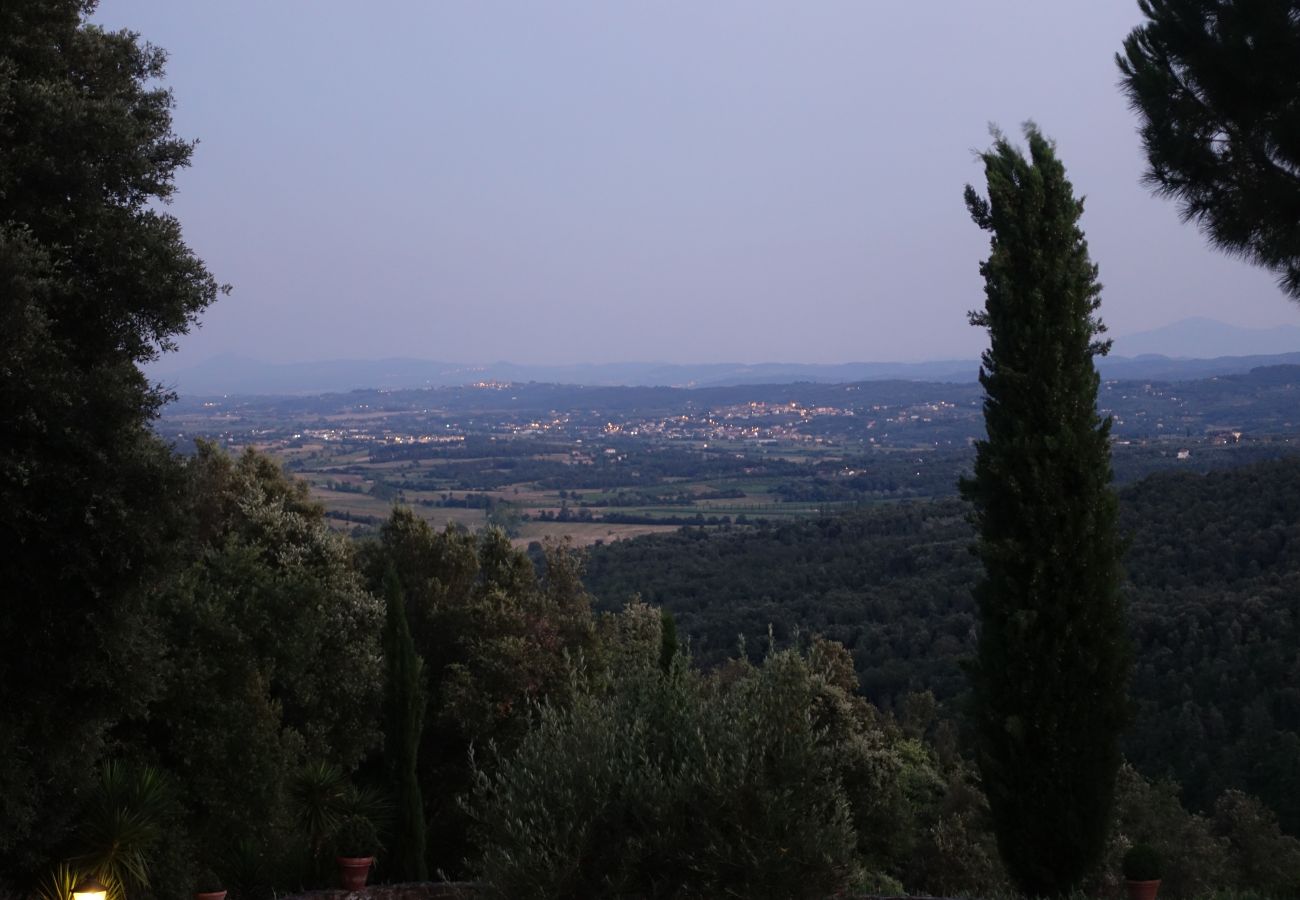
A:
{"points": [[604, 463]]}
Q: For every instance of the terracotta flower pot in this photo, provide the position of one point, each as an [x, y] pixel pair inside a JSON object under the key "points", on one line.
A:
{"points": [[1142, 890], [209, 895], [353, 871]]}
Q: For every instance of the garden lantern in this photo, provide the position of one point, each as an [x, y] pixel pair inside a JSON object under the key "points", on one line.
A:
{"points": [[89, 889]]}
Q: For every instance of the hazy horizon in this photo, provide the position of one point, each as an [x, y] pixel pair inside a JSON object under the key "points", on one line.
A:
{"points": [[1177, 340], [582, 182]]}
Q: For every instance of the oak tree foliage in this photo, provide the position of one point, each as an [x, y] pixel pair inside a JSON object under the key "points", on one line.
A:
{"points": [[95, 278]]}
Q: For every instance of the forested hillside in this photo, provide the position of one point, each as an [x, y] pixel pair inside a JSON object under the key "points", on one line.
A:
{"points": [[1213, 586]]}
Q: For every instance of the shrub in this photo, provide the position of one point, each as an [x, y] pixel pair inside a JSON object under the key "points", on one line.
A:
{"points": [[957, 855], [1142, 863], [1194, 860], [356, 838], [1262, 857], [672, 785]]}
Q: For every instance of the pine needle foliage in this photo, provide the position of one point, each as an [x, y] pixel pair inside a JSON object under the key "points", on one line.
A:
{"points": [[1217, 86], [1049, 679]]}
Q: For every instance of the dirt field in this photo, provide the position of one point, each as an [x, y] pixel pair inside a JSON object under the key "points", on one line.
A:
{"points": [[584, 534], [366, 505]]}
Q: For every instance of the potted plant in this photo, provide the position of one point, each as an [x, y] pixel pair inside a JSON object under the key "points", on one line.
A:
{"points": [[208, 886], [355, 844], [1142, 872]]}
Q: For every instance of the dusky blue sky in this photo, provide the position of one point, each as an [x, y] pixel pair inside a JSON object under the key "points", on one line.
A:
{"points": [[676, 180]]}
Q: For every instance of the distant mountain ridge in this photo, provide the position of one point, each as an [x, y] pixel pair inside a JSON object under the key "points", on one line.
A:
{"points": [[1132, 358], [1202, 338]]}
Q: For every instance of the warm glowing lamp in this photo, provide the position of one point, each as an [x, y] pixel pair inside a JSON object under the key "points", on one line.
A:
{"points": [[89, 889]]}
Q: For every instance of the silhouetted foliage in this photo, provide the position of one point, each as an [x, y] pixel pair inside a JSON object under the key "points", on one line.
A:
{"points": [[1217, 85], [405, 704], [1052, 660], [668, 643], [272, 652], [773, 780], [95, 278], [493, 636]]}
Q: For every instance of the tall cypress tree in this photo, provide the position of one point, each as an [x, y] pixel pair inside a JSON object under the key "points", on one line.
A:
{"points": [[1052, 663], [668, 647], [405, 721]]}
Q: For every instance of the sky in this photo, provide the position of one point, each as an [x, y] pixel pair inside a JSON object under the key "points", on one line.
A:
{"points": [[669, 180]]}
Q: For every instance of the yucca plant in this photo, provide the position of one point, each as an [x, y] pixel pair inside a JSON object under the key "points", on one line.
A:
{"points": [[246, 870], [122, 824], [63, 879], [319, 792], [372, 803], [59, 883], [323, 798]]}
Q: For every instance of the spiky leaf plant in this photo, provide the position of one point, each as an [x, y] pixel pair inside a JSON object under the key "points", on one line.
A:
{"points": [[123, 823]]}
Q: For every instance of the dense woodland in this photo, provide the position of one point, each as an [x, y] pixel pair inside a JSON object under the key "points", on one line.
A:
{"points": [[1212, 587]]}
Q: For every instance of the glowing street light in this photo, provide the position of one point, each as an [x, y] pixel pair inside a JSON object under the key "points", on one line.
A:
{"points": [[89, 889]]}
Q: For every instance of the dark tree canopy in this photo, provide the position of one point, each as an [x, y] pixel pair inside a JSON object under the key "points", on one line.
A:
{"points": [[1052, 660], [94, 279], [1217, 84], [405, 702]]}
